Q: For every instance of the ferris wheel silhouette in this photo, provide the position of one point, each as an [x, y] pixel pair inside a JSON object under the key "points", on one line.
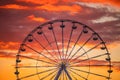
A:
{"points": [[63, 50]]}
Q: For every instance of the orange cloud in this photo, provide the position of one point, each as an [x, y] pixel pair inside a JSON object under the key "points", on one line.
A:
{"points": [[39, 19], [14, 6], [9, 45], [8, 53], [8, 49], [115, 2], [48, 7]]}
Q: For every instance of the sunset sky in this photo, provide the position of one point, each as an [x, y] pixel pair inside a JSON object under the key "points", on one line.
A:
{"points": [[19, 17]]}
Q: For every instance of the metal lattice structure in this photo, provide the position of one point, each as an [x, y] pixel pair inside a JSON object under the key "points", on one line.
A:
{"points": [[63, 50]]}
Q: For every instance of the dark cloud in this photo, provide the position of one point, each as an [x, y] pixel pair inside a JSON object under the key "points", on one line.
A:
{"points": [[3, 2]]}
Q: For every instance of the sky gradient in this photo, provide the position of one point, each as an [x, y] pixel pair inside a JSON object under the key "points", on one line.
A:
{"points": [[19, 17]]}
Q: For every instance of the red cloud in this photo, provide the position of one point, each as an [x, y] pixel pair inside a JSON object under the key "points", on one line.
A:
{"points": [[40, 1], [46, 5], [14, 6], [38, 19], [60, 8], [54, 5]]}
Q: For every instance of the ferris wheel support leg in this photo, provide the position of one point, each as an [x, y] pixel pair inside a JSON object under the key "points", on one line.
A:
{"points": [[68, 74], [58, 74], [62, 67]]}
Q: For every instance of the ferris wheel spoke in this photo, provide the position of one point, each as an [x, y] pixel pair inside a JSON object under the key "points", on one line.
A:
{"points": [[75, 44], [60, 78], [62, 26], [69, 42], [74, 66], [56, 41], [86, 52], [90, 73], [91, 58], [73, 76], [53, 76], [43, 47], [37, 73], [40, 53], [36, 59], [36, 66], [63, 75], [50, 45], [77, 74], [48, 75], [81, 47]]}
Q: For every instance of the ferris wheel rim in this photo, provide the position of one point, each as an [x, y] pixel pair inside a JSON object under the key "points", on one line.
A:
{"points": [[61, 20]]}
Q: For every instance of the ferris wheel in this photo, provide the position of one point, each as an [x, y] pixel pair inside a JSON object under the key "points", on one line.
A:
{"points": [[63, 50]]}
